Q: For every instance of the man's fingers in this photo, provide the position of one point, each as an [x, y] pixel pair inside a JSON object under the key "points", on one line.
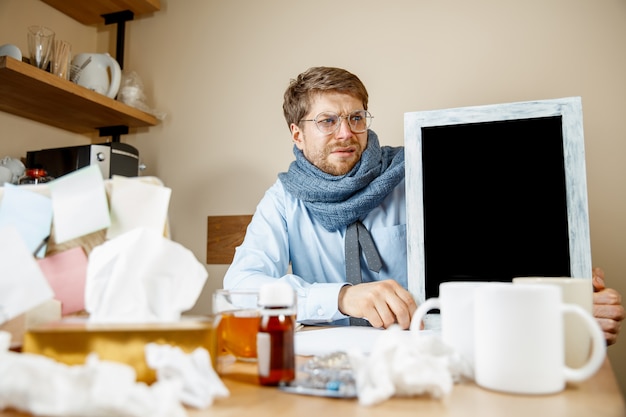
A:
{"points": [[382, 303], [598, 279], [607, 297], [610, 328]]}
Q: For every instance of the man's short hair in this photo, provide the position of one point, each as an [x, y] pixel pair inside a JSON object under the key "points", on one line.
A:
{"points": [[315, 81]]}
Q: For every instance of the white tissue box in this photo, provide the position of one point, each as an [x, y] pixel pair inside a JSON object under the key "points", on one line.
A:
{"points": [[70, 340]]}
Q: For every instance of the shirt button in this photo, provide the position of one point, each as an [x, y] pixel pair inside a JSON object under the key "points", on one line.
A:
{"points": [[320, 312]]}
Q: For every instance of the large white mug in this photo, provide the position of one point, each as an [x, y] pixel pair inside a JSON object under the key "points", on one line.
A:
{"points": [[577, 291], [456, 305], [519, 340], [97, 72]]}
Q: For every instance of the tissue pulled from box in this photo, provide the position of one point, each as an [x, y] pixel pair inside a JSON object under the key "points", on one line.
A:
{"points": [[41, 386], [404, 364], [141, 276]]}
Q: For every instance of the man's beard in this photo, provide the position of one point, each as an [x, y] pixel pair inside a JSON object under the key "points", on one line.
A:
{"points": [[321, 158]]}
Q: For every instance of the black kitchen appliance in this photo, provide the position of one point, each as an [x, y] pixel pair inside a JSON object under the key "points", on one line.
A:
{"points": [[113, 158]]}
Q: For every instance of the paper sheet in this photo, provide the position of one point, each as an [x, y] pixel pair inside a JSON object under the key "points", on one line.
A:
{"points": [[66, 273], [79, 204], [29, 212], [322, 341], [136, 204], [23, 285]]}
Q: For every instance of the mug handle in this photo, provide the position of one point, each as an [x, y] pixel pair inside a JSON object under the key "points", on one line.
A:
{"points": [[116, 77], [598, 349], [420, 313]]}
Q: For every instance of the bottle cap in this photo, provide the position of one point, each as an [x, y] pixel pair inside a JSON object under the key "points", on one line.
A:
{"points": [[276, 294]]}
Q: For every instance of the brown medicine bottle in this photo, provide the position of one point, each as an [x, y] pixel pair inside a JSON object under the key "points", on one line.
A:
{"points": [[275, 339]]}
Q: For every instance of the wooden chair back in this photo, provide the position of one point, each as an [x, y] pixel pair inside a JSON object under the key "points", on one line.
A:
{"points": [[224, 234]]}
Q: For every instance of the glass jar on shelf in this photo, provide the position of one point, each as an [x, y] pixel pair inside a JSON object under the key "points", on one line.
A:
{"points": [[34, 176]]}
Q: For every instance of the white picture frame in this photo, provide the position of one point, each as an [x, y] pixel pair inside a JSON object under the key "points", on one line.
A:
{"points": [[419, 127]]}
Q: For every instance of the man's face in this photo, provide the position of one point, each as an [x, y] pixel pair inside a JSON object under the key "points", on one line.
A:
{"points": [[335, 153]]}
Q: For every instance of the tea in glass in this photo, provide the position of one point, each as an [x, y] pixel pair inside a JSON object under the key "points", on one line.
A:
{"points": [[239, 322]]}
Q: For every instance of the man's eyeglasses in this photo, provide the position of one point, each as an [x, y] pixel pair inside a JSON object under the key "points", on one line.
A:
{"points": [[329, 122]]}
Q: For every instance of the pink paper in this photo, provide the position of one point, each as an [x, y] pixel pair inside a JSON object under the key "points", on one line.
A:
{"points": [[66, 273]]}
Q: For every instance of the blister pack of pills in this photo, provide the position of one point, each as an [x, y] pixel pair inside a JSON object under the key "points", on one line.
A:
{"points": [[325, 376]]}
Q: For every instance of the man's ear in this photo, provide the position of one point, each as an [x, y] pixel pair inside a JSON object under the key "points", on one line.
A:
{"points": [[297, 135]]}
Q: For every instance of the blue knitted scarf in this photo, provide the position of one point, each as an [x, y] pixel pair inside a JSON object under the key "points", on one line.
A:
{"points": [[338, 201]]}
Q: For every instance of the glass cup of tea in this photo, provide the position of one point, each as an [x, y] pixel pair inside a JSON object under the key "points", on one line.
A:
{"points": [[239, 318]]}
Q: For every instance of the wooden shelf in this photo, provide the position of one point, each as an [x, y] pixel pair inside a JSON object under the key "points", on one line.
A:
{"points": [[89, 12], [30, 92]]}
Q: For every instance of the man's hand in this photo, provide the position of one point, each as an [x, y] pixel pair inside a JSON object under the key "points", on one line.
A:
{"points": [[382, 303], [607, 307]]}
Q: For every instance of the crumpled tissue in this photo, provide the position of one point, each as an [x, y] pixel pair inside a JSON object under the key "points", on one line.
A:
{"points": [[406, 363], [42, 386], [141, 276], [200, 383]]}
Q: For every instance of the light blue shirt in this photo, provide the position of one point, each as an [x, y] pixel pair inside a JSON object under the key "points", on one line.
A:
{"points": [[283, 233]]}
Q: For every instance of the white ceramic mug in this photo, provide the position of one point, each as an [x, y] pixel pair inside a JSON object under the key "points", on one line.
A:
{"points": [[519, 341], [456, 305], [577, 291]]}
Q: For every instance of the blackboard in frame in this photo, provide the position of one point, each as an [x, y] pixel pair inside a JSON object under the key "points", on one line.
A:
{"points": [[494, 192]]}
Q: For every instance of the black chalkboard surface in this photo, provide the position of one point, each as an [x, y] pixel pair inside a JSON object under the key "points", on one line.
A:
{"points": [[495, 192]]}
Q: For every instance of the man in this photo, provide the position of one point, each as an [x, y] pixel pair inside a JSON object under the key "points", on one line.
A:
{"points": [[343, 195]]}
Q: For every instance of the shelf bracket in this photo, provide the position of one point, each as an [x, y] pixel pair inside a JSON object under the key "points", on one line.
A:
{"points": [[114, 131], [119, 18]]}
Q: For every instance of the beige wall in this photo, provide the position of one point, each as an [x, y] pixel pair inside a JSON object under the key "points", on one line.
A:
{"points": [[219, 68]]}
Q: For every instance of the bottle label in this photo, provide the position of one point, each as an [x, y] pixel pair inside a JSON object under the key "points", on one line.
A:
{"points": [[264, 353]]}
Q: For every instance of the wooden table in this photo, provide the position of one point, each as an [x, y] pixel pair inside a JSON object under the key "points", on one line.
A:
{"points": [[596, 397]]}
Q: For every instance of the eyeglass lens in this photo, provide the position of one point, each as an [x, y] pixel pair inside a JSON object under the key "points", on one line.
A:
{"points": [[358, 120]]}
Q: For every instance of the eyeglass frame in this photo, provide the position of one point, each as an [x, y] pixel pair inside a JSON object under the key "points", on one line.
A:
{"points": [[368, 116]]}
